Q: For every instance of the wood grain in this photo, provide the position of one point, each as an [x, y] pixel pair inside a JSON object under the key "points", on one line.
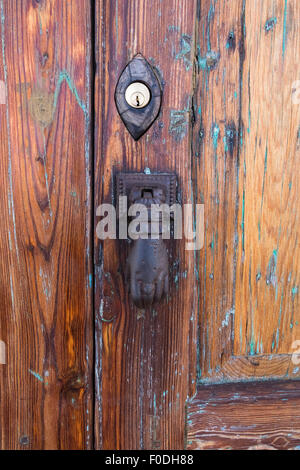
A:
{"points": [[143, 356], [45, 264], [245, 417], [229, 128], [268, 309], [246, 144]]}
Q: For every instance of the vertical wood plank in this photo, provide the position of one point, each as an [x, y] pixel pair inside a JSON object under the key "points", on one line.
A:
{"points": [[246, 143], [143, 356], [268, 309], [45, 268], [217, 147]]}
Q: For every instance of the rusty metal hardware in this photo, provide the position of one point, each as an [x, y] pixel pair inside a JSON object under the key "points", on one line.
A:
{"points": [[138, 96], [147, 270]]}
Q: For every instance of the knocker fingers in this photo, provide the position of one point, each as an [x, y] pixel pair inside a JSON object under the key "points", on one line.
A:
{"points": [[135, 290]]}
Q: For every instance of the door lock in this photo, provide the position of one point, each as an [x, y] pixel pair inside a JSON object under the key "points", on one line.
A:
{"points": [[138, 96]]}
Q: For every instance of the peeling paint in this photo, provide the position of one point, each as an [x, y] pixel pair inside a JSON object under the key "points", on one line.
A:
{"points": [[215, 135], [231, 41], [185, 51], [36, 375], [284, 29], [271, 277], [295, 291], [270, 23], [64, 76], [209, 61], [263, 191], [179, 123]]}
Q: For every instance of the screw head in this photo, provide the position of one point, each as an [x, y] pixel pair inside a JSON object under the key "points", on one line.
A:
{"points": [[137, 95], [24, 440]]}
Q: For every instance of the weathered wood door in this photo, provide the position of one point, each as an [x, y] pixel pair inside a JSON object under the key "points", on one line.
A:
{"points": [[217, 364]]}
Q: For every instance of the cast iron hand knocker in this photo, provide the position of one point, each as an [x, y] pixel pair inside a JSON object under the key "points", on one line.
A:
{"points": [[147, 270], [147, 264]]}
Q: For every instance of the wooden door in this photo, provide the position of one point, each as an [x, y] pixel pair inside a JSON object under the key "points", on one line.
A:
{"points": [[46, 274], [216, 365], [247, 171]]}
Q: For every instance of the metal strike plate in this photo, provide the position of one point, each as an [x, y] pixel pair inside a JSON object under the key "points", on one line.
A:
{"points": [[138, 96]]}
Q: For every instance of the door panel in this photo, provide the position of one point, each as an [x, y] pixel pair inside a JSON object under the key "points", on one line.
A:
{"points": [[256, 416], [45, 276], [143, 355], [248, 165]]}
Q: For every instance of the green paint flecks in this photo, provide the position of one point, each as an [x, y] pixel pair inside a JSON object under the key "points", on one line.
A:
{"points": [[228, 316], [185, 51], [270, 23], [284, 29], [215, 135], [231, 41], [279, 322], [210, 16], [249, 116], [295, 291], [252, 346], [209, 61], [46, 284], [64, 76], [179, 122], [36, 375], [263, 190], [243, 222], [42, 105]]}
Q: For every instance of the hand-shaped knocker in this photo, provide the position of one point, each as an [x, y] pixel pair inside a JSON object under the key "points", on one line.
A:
{"points": [[147, 264]]}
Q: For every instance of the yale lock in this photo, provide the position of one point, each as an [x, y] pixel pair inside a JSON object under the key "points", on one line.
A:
{"points": [[138, 96]]}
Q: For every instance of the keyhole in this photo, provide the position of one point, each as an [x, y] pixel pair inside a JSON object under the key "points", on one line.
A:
{"points": [[137, 95]]}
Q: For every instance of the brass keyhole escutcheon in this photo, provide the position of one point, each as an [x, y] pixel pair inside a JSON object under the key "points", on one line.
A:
{"points": [[137, 95]]}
